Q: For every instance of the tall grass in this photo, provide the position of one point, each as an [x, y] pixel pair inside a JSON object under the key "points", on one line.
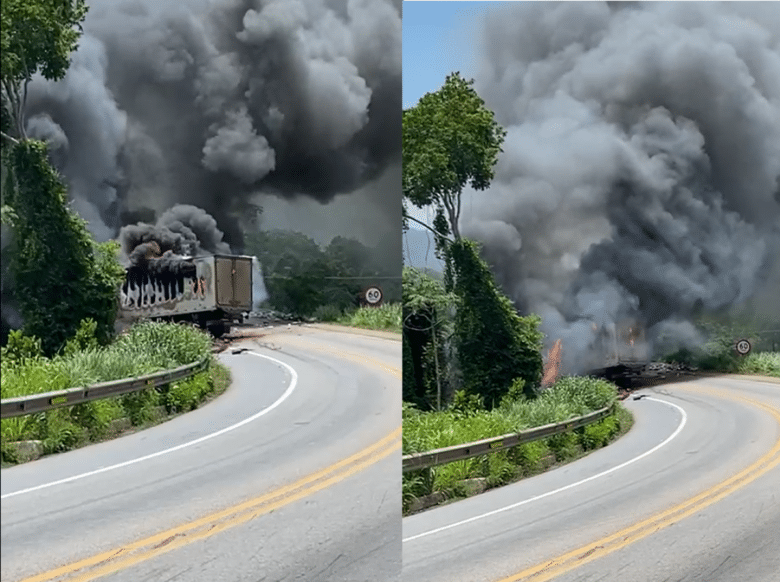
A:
{"points": [[762, 363], [568, 398], [146, 348], [385, 317]]}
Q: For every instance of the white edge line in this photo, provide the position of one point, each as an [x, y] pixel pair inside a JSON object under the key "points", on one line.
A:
{"points": [[282, 398], [572, 485]]}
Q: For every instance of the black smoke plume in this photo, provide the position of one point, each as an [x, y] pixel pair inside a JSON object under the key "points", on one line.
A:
{"points": [[212, 103], [182, 231], [641, 166]]}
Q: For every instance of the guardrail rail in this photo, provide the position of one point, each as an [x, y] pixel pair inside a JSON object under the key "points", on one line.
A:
{"points": [[428, 459], [34, 403]]}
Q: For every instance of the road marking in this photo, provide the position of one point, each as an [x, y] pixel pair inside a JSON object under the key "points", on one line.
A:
{"points": [[130, 554], [150, 547], [593, 551], [677, 431], [282, 398], [343, 354]]}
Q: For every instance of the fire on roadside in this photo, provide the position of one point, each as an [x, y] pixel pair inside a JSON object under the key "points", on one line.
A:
{"points": [[552, 365]]}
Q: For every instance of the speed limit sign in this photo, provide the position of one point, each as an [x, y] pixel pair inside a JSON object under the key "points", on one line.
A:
{"points": [[743, 347], [373, 296]]}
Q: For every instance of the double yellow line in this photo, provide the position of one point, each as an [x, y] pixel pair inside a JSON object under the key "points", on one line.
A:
{"points": [[161, 543], [598, 549]]}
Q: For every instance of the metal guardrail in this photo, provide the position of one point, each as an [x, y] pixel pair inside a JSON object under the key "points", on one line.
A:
{"points": [[23, 405], [445, 455]]}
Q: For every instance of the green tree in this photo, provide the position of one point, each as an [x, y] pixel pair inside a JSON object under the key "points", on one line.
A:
{"points": [[35, 36], [426, 328], [495, 345], [294, 269], [61, 274], [450, 139]]}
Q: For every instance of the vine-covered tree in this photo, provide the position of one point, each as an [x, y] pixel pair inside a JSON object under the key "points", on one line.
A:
{"points": [[450, 140], [61, 275], [495, 345]]}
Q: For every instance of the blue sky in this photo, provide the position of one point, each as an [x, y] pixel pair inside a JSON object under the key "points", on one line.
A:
{"points": [[438, 38]]}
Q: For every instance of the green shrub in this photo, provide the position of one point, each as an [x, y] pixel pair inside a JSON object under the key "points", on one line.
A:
{"points": [[597, 435], [467, 421], [139, 406], [328, 312], [58, 432], [20, 348], [384, 317], [96, 416], [186, 395], [762, 363], [84, 339]]}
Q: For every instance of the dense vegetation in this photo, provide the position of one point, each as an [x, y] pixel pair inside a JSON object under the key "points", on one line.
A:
{"points": [[717, 353], [466, 421], [385, 317], [305, 280], [472, 364], [145, 348], [59, 274]]}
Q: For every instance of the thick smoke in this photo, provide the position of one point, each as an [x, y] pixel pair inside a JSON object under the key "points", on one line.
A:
{"points": [[181, 231], [641, 171], [214, 103]]}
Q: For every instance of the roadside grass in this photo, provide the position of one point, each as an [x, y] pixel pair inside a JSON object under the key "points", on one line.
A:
{"points": [[722, 359], [569, 397], [146, 348], [761, 363], [386, 317]]}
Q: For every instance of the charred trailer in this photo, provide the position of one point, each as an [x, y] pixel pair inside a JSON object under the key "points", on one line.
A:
{"points": [[213, 291], [624, 352]]}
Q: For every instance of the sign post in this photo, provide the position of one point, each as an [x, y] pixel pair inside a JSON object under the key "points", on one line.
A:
{"points": [[373, 296]]}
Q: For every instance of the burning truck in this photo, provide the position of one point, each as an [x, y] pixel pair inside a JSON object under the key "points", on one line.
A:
{"points": [[624, 352], [213, 291]]}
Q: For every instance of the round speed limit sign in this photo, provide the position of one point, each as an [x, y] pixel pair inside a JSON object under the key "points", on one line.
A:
{"points": [[743, 347], [373, 296]]}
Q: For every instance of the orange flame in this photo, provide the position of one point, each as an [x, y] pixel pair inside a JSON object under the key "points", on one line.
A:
{"points": [[552, 366]]}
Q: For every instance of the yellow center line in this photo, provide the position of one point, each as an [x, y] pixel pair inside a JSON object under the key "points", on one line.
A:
{"points": [[343, 354], [117, 559], [598, 549], [133, 553]]}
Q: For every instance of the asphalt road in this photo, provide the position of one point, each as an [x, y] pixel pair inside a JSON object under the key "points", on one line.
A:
{"points": [[292, 474], [691, 493]]}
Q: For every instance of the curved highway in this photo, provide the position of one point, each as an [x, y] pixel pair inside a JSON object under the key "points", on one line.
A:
{"points": [[691, 493], [292, 474]]}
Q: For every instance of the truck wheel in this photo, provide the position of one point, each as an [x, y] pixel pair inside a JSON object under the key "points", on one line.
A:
{"points": [[218, 329]]}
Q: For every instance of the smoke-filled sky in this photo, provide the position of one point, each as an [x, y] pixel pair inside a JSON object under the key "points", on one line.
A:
{"points": [[226, 104], [641, 169]]}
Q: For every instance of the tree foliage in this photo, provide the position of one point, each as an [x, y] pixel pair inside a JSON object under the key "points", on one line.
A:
{"points": [[450, 139], [425, 336], [301, 277], [62, 276], [495, 345], [35, 36]]}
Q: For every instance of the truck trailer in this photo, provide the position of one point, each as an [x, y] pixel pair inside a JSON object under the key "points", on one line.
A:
{"points": [[212, 291]]}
